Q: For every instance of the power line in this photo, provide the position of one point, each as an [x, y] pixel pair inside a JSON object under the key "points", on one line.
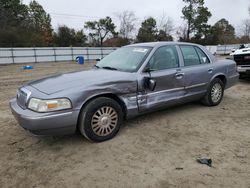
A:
{"points": [[78, 16], [74, 15]]}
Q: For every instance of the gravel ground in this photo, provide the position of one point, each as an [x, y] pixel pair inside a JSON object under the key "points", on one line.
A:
{"points": [[154, 150]]}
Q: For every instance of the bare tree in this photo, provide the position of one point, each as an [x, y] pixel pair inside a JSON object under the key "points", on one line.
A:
{"points": [[127, 23], [181, 32], [165, 23], [246, 27]]}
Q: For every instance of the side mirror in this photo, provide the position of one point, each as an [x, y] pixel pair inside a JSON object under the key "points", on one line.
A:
{"points": [[148, 69], [150, 84]]}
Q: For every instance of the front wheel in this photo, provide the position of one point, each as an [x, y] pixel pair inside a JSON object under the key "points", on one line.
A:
{"points": [[100, 119], [214, 94]]}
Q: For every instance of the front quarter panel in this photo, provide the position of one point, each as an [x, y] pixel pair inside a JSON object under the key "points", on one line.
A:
{"points": [[125, 89]]}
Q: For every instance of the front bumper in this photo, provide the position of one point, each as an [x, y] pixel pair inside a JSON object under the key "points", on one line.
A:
{"points": [[244, 70], [55, 123]]}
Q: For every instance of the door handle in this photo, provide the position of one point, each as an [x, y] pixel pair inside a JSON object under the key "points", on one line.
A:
{"points": [[179, 75], [210, 70]]}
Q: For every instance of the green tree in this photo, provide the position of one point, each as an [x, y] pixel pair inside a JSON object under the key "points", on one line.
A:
{"points": [[14, 20], [80, 39], [23, 25], [148, 31], [163, 36], [40, 23], [101, 29], [12, 13], [196, 16], [222, 32], [66, 37]]}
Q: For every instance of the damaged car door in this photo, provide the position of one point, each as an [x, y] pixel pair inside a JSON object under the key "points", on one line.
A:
{"points": [[163, 80]]}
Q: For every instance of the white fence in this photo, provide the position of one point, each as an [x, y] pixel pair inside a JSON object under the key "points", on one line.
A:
{"points": [[31, 55], [212, 49], [226, 49]]}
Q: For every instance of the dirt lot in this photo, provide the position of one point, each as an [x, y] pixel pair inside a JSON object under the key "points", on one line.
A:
{"points": [[155, 150]]}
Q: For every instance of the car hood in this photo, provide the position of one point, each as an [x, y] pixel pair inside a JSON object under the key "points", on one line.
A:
{"points": [[86, 78]]}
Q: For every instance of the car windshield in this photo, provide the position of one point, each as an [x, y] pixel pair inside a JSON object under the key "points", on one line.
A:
{"points": [[126, 59]]}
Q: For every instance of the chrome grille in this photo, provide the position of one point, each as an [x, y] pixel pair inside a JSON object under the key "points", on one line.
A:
{"points": [[22, 97]]}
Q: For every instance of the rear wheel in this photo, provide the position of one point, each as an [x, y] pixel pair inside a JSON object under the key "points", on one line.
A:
{"points": [[100, 119], [214, 94]]}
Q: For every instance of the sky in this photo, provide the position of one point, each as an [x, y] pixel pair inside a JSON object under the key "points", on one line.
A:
{"points": [[74, 13]]}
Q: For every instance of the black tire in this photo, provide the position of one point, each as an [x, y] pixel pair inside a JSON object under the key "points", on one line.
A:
{"points": [[97, 126], [208, 99]]}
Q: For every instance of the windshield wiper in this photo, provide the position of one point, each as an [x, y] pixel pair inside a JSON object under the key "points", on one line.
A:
{"points": [[109, 68], [96, 66]]}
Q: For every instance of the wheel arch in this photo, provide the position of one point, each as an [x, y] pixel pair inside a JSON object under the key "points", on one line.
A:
{"points": [[108, 95], [222, 77]]}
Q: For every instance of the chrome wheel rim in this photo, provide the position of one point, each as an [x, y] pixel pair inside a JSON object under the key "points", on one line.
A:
{"points": [[216, 92], [104, 121]]}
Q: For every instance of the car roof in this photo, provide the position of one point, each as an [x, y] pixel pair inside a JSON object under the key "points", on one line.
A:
{"points": [[162, 43]]}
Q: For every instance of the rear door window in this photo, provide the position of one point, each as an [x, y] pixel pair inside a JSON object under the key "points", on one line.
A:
{"points": [[203, 57], [190, 56]]}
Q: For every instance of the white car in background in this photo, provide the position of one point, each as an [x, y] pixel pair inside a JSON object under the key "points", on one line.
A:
{"points": [[242, 59]]}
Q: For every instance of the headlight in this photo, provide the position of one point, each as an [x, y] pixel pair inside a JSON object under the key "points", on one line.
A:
{"points": [[39, 105]]}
